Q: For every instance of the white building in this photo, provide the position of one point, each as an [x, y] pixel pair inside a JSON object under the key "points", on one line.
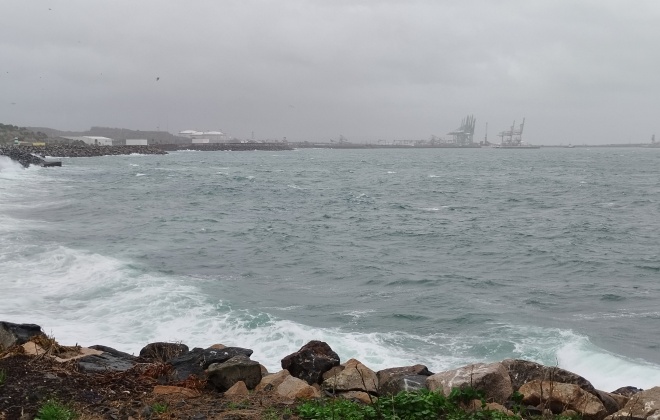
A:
{"points": [[93, 140], [212, 136], [136, 142]]}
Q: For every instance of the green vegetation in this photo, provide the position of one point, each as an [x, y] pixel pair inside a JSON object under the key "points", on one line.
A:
{"points": [[10, 132], [420, 405], [159, 408], [54, 410], [3, 377], [272, 413]]}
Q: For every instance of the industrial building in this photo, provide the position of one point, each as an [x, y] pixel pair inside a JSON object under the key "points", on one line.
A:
{"points": [[92, 140], [136, 142], [211, 136]]}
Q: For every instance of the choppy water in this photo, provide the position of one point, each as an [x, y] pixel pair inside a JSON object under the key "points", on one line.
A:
{"points": [[441, 257]]}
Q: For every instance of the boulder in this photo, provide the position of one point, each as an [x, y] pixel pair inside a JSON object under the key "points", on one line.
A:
{"points": [[500, 408], [238, 368], [334, 371], [237, 390], [197, 360], [162, 352], [621, 400], [295, 388], [559, 397], [627, 391], [408, 378], [610, 403], [311, 361], [33, 349], [106, 362], [523, 371], [270, 382], [492, 379], [358, 396], [113, 352], [641, 406], [354, 377], [16, 334]]}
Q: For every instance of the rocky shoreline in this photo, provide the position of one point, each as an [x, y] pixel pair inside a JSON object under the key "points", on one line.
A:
{"points": [[205, 383]]}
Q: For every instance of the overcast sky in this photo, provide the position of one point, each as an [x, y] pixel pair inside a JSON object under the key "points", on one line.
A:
{"points": [[584, 71]]}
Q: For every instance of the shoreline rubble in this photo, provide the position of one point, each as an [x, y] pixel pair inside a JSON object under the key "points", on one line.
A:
{"points": [[316, 371]]}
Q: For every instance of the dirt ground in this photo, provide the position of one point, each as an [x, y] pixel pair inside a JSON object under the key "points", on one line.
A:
{"points": [[30, 381]]}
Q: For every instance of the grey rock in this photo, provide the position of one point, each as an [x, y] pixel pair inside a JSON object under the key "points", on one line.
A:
{"points": [[16, 334], [643, 405], [627, 391], [162, 352], [611, 406], [238, 368], [394, 380], [113, 352], [197, 360], [106, 362]]}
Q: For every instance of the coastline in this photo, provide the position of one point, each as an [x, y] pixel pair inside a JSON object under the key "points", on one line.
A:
{"points": [[106, 383]]}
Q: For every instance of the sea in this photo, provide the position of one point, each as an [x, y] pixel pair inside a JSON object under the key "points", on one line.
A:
{"points": [[395, 257]]}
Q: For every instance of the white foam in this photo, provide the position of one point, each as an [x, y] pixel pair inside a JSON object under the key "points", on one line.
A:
{"points": [[604, 370], [86, 298], [9, 169]]}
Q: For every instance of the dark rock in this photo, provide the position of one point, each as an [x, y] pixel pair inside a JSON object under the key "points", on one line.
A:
{"points": [[16, 334], [394, 380], [611, 406], [106, 362], [197, 360], [523, 371], [238, 368], [627, 391], [311, 361], [162, 352], [50, 164], [113, 352]]}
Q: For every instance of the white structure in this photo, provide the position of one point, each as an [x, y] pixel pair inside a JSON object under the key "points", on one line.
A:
{"points": [[93, 140], [211, 136], [200, 141], [136, 142]]}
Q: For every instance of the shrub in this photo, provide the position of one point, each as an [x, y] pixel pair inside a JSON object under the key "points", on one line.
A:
{"points": [[54, 410]]}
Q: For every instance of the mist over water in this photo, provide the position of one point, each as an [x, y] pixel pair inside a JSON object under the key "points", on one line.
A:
{"points": [[395, 257]]}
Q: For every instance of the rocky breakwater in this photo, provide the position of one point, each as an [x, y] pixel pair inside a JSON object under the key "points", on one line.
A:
{"points": [[208, 382], [34, 155], [21, 156], [238, 147]]}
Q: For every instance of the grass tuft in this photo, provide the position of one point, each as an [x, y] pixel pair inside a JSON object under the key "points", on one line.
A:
{"points": [[159, 408], [54, 410]]}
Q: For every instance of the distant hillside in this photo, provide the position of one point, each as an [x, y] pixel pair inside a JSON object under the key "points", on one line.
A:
{"points": [[162, 137], [10, 132]]}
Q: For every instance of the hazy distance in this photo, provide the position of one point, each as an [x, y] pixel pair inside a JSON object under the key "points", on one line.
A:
{"points": [[579, 72]]}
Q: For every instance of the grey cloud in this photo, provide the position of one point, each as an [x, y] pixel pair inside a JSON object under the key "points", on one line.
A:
{"points": [[311, 70]]}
